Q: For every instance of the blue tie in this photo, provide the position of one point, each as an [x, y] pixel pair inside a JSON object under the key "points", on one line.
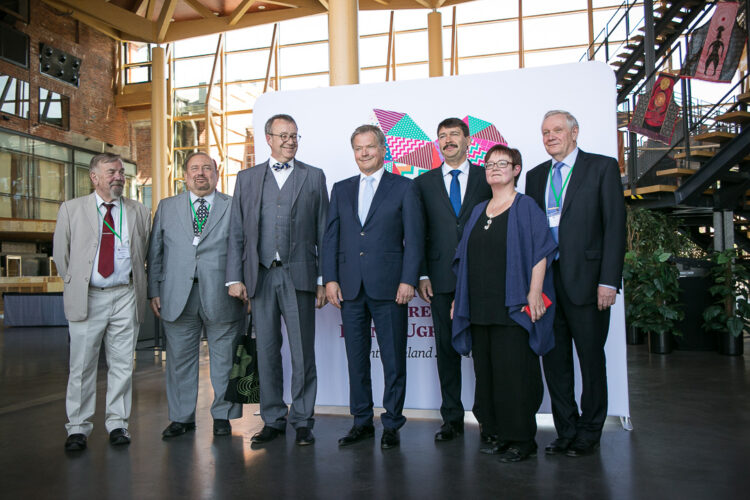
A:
{"points": [[367, 193], [556, 182], [455, 194]]}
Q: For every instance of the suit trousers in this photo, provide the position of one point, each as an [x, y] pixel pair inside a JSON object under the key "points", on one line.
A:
{"points": [[587, 326], [112, 319], [391, 322], [448, 360], [183, 345], [276, 297]]}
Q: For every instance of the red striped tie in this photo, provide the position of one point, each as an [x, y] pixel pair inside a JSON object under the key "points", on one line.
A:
{"points": [[107, 246]]}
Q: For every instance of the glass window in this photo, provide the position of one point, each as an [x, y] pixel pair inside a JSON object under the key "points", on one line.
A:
{"points": [[189, 72], [189, 133], [485, 39], [304, 29], [190, 101], [411, 47], [545, 32], [536, 7], [303, 59], [54, 109], [137, 52], [198, 46], [247, 66], [14, 96], [83, 184], [249, 38], [482, 10]]}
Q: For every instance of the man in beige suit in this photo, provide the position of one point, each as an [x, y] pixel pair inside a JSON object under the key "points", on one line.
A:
{"points": [[99, 249]]}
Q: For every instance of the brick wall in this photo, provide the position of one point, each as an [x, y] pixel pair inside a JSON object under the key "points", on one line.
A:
{"points": [[94, 119]]}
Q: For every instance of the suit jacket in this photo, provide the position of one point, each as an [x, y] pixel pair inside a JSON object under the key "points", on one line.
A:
{"points": [[443, 229], [74, 248], [592, 224], [308, 218], [173, 260], [383, 252]]}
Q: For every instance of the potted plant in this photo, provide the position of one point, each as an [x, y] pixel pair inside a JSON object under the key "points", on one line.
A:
{"points": [[730, 311], [653, 290]]}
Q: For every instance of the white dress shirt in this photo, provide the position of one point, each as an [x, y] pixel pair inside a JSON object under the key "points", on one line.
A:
{"points": [[282, 175], [123, 266], [463, 177]]}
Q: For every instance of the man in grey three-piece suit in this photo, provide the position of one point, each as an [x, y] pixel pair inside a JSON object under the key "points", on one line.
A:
{"points": [[187, 260], [279, 213]]}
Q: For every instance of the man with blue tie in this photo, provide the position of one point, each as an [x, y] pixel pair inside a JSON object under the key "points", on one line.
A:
{"points": [[371, 254], [448, 195], [582, 195]]}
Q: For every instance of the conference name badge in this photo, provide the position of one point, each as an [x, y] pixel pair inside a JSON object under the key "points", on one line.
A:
{"points": [[122, 253], [553, 216], [196, 240]]}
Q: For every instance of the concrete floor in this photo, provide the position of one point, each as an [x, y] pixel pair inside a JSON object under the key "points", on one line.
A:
{"points": [[690, 410]]}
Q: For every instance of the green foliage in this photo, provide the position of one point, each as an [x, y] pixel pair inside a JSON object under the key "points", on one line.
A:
{"points": [[731, 306], [652, 292], [650, 231]]}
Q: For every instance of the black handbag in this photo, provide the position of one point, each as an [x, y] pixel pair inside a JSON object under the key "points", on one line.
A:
{"points": [[244, 386]]}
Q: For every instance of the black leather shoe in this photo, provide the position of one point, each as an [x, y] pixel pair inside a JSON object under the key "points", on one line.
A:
{"points": [[488, 438], [357, 433], [496, 449], [177, 429], [75, 442], [516, 453], [266, 434], [582, 447], [119, 436], [449, 431], [558, 447], [390, 439], [222, 427], [304, 436]]}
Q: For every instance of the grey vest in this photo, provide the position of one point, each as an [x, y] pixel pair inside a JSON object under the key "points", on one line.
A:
{"points": [[275, 220]]}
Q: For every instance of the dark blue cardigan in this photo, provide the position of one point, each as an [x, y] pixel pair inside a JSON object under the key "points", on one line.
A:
{"points": [[529, 241]]}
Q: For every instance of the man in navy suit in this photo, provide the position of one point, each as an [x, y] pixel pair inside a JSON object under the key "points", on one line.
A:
{"points": [[582, 195], [371, 255]]}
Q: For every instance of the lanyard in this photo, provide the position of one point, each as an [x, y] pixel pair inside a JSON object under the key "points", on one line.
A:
{"points": [[562, 189], [110, 227], [195, 215]]}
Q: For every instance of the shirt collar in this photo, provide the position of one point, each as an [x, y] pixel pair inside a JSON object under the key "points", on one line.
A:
{"points": [[209, 197], [100, 200], [464, 168], [377, 175], [274, 161], [569, 160]]}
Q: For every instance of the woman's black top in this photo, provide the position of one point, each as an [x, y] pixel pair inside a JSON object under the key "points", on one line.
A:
{"points": [[486, 252]]}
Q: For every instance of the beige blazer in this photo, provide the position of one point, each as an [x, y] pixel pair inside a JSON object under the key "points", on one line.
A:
{"points": [[74, 250]]}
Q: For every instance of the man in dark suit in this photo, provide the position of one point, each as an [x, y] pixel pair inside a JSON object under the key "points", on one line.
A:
{"points": [[279, 212], [373, 244], [187, 258], [582, 196], [448, 195]]}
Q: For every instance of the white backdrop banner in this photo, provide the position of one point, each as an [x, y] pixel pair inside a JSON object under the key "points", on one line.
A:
{"points": [[514, 102]]}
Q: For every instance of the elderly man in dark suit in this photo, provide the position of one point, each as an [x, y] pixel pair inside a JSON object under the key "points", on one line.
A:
{"points": [[448, 195], [582, 195], [187, 261], [373, 245], [279, 211]]}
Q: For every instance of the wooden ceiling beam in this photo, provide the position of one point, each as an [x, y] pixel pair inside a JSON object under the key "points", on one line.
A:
{"points": [[239, 11], [201, 9], [122, 20], [165, 19]]}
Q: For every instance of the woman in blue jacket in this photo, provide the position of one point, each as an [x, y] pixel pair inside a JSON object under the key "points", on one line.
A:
{"points": [[500, 313]]}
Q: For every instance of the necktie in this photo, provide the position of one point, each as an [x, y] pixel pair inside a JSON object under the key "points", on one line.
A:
{"points": [[555, 187], [367, 194], [455, 194], [278, 167], [107, 246], [201, 215]]}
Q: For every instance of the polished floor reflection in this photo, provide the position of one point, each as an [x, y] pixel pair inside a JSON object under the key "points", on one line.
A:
{"points": [[690, 410]]}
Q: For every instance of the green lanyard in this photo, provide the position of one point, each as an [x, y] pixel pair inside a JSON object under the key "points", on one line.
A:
{"points": [[562, 190], [195, 215], [110, 227]]}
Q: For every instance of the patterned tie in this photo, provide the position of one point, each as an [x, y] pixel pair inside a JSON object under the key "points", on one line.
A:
{"points": [[367, 194], [555, 187], [455, 194], [201, 215], [107, 246], [278, 167]]}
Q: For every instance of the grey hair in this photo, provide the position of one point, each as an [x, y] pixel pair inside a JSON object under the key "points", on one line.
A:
{"points": [[269, 122], [103, 158], [572, 122], [364, 129]]}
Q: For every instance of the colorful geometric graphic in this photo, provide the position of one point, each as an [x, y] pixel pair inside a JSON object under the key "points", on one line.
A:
{"points": [[410, 152]]}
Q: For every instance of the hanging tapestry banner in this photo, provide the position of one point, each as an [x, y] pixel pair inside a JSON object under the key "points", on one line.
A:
{"points": [[656, 113], [715, 48]]}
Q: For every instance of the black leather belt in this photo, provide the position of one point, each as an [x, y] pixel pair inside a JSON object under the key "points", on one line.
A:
{"points": [[275, 263]]}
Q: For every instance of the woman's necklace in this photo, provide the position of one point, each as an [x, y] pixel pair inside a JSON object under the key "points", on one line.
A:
{"points": [[500, 209]]}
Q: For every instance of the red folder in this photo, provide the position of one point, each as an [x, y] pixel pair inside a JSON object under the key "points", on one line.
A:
{"points": [[546, 300]]}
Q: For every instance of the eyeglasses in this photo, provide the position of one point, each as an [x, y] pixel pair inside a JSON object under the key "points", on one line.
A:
{"points": [[287, 137], [498, 165]]}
